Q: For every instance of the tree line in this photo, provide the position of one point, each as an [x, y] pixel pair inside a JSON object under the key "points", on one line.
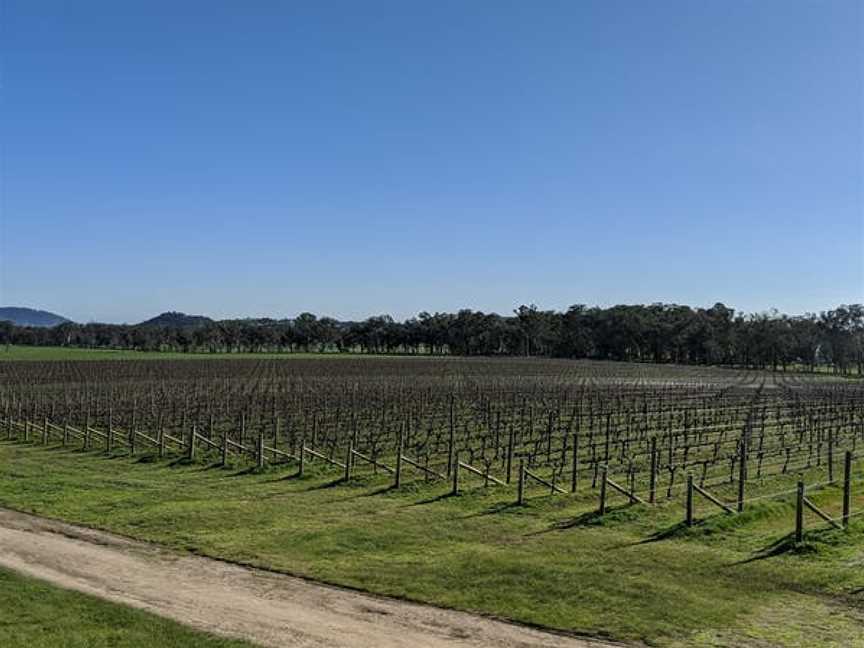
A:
{"points": [[660, 333]]}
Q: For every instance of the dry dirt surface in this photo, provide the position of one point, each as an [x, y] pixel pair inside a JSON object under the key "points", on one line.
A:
{"points": [[262, 607]]}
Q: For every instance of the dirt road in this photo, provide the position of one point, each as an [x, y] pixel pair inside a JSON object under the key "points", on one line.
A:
{"points": [[259, 606]]}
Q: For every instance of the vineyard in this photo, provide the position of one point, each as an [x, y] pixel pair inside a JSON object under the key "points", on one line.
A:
{"points": [[634, 433]]}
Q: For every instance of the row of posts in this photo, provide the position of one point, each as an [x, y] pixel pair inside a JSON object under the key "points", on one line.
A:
{"points": [[453, 469]]}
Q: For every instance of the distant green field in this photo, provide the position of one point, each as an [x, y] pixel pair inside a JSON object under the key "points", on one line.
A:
{"points": [[634, 575], [71, 353], [14, 352], [36, 615]]}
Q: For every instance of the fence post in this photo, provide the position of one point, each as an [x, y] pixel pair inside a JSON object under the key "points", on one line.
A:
{"points": [[742, 474], [603, 481], [831, 455], [160, 438], [520, 490], [510, 444], [224, 448], [689, 518], [349, 458], [652, 487], [455, 490], [191, 449], [400, 446], [259, 458], [799, 514], [109, 440], [847, 488], [574, 477], [452, 440], [133, 429], [302, 456]]}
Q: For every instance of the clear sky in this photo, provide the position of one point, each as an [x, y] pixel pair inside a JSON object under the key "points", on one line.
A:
{"points": [[352, 158]]}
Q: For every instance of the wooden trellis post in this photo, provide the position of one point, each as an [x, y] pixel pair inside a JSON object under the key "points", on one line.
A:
{"points": [[397, 481], [302, 465], [652, 486], [603, 484], [742, 473], [520, 493], [847, 488], [87, 431], [455, 490], [799, 513], [109, 439], [259, 453], [451, 445], [191, 448], [132, 434], [160, 438], [511, 442], [349, 459], [574, 476], [689, 504]]}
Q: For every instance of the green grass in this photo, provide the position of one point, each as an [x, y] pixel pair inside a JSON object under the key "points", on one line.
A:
{"points": [[36, 615], [634, 575]]}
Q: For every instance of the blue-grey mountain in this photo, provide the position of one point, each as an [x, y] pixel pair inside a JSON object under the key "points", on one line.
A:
{"points": [[30, 317]]}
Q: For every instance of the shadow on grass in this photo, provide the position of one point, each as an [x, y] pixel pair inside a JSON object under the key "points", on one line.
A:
{"points": [[206, 462], [784, 545], [333, 483], [247, 471], [213, 465], [501, 507], [119, 454], [70, 450], [390, 488], [815, 541], [678, 530], [294, 475], [95, 451], [148, 459], [622, 513], [180, 462], [408, 487], [432, 500]]}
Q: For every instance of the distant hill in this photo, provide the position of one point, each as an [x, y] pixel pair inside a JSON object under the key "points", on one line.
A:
{"points": [[174, 319], [30, 317]]}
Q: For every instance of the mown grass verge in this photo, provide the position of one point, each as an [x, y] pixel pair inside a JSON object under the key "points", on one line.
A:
{"points": [[634, 575], [36, 615]]}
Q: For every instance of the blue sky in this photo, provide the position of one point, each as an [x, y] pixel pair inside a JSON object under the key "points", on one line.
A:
{"points": [[348, 158]]}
